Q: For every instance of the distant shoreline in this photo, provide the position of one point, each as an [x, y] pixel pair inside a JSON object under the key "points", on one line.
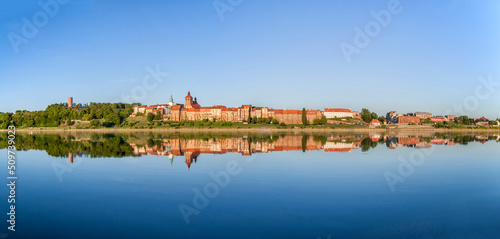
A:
{"points": [[263, 130]]}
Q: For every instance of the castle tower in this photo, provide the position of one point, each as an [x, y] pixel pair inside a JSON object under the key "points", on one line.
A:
{"points": [[70, 102], [188, 100]]}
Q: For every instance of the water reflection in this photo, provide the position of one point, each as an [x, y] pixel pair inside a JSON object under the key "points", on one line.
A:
{"points": [[308, 185], [191, 145]]}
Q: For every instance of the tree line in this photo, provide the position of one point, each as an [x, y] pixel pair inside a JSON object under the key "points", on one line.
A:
{"points": [[106, 114], [106, 145]]}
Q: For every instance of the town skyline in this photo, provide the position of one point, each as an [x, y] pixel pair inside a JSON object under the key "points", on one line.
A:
{"points": [[450, 111], [250, 57]]}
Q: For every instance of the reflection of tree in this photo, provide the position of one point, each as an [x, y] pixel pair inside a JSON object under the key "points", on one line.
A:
{"points": [[367, 144], [304, 143], [137, 143], [321, 139], [464, 139], [106, 145]]}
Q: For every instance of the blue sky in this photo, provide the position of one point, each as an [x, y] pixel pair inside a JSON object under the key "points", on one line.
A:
{"points": [[281, 54]]}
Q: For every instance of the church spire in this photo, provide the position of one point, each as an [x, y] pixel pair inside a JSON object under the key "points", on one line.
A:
{"points": [[171, 99]]}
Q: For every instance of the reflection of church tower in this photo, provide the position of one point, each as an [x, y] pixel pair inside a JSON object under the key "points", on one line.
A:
{"points": [[190, 156], [70, 156], [188, 100], [171, 157]]}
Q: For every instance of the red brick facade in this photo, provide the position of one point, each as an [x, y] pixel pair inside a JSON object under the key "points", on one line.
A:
{"points": [[191, 110], [408, 119]]}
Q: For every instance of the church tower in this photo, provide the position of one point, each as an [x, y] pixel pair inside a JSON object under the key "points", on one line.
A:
{"points": [[171, 103], [188, 100]]}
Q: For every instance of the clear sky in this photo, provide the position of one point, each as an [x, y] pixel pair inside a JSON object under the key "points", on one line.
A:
{"points": [[281, 54]]}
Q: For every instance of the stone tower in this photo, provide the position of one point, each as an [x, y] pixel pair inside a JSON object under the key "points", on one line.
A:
{"points": [[188, 100], [171, 103]]}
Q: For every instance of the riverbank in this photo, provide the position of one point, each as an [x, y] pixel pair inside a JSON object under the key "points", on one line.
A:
{"points": [[262, 129]]}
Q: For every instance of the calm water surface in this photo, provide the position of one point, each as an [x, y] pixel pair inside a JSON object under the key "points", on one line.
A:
{"points": [[146, 185]]}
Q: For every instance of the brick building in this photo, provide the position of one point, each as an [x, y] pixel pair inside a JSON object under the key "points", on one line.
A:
{"points": [[408, 120], [423, 115], [438, 119], [191, 110]]}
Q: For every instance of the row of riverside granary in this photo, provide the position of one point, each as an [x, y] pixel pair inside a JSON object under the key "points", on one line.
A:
{"points": [[191, 110]]}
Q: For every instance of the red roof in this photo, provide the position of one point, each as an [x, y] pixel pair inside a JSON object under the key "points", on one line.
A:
{"points": [[311, 112], [292, 112], [375, 121], [176, 107], [188, 95], [338, 150], [337, 110]]}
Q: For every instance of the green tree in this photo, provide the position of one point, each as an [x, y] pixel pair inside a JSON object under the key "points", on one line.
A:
{"points": [[366, 115], [150, 117], [321, 121], [87, 117], [94, 123], [114, 119], [249, 115], [304, 117]]}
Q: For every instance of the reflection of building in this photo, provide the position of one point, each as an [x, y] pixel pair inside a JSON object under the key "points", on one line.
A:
{"points": [[192, 148], [405, 141], [394, 142], [332, 146], [408, 140], [70, 158], [375, 137]]}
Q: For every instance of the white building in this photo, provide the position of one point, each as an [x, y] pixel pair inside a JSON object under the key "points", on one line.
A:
{"points": [[337, 113]]}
